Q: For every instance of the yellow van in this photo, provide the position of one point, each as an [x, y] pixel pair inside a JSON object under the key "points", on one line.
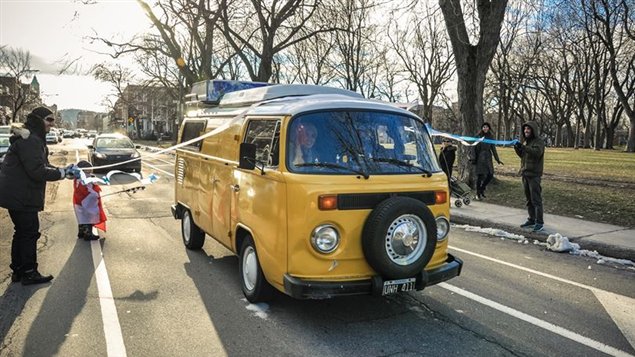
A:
{"points": [[320, 192]]}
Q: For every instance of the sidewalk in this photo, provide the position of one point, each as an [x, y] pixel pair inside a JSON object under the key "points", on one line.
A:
{"points": [[609, 240]]}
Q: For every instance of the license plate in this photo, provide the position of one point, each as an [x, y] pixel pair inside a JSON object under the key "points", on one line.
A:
{"points": [[398, 286]]}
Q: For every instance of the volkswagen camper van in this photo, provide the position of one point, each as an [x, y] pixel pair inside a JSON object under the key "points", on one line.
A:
{"points": [[320, 192]]}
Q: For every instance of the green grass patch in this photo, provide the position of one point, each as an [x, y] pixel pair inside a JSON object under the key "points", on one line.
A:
{"points": [[598, 186], [593, 203]]}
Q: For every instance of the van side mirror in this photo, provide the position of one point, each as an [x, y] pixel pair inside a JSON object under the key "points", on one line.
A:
{"points": [[247, 156]]}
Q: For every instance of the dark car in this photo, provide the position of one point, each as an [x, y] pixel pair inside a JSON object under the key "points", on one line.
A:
{"points": [[109, 149]]}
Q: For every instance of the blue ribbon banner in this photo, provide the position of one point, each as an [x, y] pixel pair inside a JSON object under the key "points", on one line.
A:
{"points": [[469, 140]]}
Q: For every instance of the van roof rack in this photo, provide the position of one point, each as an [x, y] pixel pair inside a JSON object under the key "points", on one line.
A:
{"points": [[254, 95], [210, 92]]}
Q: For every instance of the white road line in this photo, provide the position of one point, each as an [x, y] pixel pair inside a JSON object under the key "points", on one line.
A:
{"points": [[158, 169], [619, 307], [537, 322], [114, 339]]}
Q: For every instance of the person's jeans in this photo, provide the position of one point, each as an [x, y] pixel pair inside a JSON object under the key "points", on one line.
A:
{"points": [[24, 245], [481, 182], [533, 193]]}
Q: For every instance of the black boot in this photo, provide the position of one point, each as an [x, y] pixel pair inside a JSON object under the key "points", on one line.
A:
{"points": [[16, 276], [34, 277]]}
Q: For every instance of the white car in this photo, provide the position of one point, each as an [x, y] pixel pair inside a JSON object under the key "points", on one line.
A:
{"points": [[52, 138], [4, 145]]}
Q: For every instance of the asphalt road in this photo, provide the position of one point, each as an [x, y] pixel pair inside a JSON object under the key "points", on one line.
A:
{"points": [[139, 292]]}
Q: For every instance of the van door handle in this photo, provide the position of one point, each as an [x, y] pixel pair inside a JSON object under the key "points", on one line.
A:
{"points": [[235, 188]]}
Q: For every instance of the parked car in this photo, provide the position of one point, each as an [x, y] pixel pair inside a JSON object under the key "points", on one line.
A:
{"points": [[5, 129], [108, 149], [51, 138], [91, 134], [68, 134], [4, 145]]}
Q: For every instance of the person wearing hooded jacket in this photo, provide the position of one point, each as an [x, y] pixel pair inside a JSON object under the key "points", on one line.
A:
{"points": [[532, 157], [482, 159], [25, 171]]}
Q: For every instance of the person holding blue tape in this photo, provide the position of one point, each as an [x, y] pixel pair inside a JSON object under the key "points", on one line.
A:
{"points": [[532, 159], [482, 159]]}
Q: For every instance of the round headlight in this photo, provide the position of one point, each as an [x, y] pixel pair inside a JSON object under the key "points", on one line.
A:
{"points": [[325, 239], [443, 228]]}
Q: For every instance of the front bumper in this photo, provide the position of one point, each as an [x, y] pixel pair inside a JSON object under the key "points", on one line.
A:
{"points": [[308, 289]]}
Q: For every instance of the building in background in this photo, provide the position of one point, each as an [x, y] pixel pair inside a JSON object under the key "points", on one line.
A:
{"points": [[145, 111]]}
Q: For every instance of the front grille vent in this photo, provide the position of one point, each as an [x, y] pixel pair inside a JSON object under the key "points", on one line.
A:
{"points": [[349, 201]]}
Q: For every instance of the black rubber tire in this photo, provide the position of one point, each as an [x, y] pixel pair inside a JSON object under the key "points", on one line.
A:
{"points": [[374, 234], [458, 203], [261, 291], [196, 237], [467, 201]]}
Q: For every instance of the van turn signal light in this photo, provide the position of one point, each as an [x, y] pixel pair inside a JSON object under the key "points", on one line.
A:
{"points": [[327, 202], [440, 197]]}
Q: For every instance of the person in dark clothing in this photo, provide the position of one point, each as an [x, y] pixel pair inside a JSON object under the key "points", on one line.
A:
{"points": [[447, 157], [25, 171], [532, 157], [482, 159]]}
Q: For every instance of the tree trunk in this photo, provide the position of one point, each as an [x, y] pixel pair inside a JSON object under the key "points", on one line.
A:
{"points": [[610, 136], [472, 62], [630, 145]]}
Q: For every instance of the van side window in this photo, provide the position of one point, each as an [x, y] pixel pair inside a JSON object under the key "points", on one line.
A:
{"points": [[191, 130], [265, 134]]}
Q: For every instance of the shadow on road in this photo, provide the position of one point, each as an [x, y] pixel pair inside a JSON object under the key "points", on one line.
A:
{"points": [[64, 301], [11, 305]]}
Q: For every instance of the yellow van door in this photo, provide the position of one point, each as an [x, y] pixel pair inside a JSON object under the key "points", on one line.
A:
{"points": [[259, 203], [222, 180]]}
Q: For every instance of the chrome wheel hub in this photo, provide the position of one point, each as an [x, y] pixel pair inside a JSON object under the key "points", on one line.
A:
{"points": [[406, 239]]}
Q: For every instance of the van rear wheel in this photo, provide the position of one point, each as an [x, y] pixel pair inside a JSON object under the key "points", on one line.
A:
{"points": [[193, 236], [255, 287]]}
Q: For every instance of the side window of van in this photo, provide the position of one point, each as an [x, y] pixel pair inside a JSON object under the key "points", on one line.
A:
{"points": [[191, 130], [265, 134]]}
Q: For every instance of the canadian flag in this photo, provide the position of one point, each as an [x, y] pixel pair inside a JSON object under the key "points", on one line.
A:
{"points": [[87, 204]]}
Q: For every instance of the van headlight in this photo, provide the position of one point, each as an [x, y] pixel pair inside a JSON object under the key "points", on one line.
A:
{"points": [[99, 155], [325, 238], [443, 228]]}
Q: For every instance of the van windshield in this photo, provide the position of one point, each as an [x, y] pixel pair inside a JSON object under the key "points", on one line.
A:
{"points": [[345, 142]]}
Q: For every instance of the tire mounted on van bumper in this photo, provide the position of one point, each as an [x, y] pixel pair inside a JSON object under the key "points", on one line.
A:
{"points": [[309, 289]]}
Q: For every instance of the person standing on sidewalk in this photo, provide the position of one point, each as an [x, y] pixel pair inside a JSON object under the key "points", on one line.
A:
{"points": [[447, 157], [532, 158], [483, 161], [23, 178]]}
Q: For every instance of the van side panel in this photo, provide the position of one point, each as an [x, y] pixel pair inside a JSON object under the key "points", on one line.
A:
{"points": [[260, 205]]}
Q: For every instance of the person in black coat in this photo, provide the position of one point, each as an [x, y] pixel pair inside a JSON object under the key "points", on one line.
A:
{"points": [[483, 160], [23, 176], [447, 157]]}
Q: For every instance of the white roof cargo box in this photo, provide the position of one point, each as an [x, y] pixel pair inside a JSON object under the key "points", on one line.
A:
{"points": [[251, 96]]}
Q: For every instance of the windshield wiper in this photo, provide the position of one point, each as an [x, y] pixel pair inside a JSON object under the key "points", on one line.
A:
{"points": [[333, 166], [401, 163]]}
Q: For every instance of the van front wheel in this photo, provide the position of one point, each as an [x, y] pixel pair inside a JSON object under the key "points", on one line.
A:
{"points": [[254, 285], [193, 236]]}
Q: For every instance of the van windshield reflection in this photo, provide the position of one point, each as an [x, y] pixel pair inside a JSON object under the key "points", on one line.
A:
{"points": [[359, 142]]}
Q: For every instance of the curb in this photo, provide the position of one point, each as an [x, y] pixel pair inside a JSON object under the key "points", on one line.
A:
{"points": [[608, 250]]}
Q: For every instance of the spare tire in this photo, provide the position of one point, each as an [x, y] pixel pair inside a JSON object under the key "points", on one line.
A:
{"points": [[399, 237]]}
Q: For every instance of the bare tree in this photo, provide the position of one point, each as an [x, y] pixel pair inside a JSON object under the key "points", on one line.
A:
{"points": [[277, 26], [357, 52], [424, 51], [614, 27], [17, 64], [472, 60]]}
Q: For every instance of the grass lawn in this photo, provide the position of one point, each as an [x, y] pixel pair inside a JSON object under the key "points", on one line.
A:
{"points": [[584, 183]]}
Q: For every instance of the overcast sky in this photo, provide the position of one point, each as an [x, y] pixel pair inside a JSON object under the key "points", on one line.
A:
{"points": [[55, 31]]}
